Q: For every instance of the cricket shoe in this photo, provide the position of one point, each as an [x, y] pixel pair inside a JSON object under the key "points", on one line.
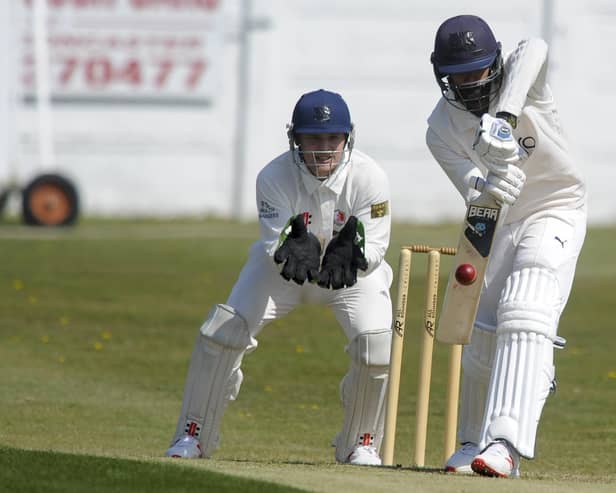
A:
{"points": [[460, 461], [364, 455], [498, 460], [187, 447]]}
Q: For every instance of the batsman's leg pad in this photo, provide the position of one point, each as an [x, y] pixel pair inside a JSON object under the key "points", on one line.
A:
{"points": [[523, 367], [214, 375], [477, 360], [362, 391]]}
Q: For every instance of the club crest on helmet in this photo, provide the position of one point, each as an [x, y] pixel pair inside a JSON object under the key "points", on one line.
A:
{"points": [[322, 113], [463, 40]]}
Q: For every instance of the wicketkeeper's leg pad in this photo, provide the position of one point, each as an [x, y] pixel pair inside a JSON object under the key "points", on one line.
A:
{"points": [[477, 360], [214, 375], [523, 371], [362, 391]]}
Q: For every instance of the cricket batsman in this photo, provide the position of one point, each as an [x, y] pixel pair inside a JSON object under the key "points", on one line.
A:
{"points": [[508, 368], [324, 217]]}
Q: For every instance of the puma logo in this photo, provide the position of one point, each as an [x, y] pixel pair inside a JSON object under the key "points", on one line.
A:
{"points": [[562, 242]]}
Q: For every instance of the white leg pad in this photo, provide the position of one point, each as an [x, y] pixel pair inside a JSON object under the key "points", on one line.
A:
{"points": [[214, 375], [362, 391], [523, 370], [477, 360]]}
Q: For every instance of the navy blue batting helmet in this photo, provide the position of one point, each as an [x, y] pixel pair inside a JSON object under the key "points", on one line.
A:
{"points": [[465, 43]]}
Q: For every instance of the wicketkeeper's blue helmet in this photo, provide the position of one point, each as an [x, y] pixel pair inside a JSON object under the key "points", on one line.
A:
{"points": [[320, 112]]}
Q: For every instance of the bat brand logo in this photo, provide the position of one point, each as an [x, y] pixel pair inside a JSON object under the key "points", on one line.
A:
{"points": [[480, 227], [487, 212]]}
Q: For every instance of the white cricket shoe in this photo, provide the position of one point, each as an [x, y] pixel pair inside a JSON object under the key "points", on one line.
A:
{"points": [[364, 455], [187, 447], [498, 460], [460, 461]]}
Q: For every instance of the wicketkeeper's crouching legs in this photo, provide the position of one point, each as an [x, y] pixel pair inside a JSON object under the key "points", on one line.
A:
{"points": [[363, 398], [214, 378]]}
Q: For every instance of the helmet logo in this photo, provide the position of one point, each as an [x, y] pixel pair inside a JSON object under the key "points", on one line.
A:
{"points": [[462, 41], [322, 113]]}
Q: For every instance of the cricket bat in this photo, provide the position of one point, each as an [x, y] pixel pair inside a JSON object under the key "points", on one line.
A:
{"points": [[457, 317]]}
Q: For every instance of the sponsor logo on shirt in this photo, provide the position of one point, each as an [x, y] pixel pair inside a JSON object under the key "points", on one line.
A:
{"points": [[527, 143], [307, 218], [379, 210], [266, 211], [339, 218]]}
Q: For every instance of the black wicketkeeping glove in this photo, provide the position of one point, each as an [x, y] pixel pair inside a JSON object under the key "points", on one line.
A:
{"points": [[301, 252], [342, 258]]}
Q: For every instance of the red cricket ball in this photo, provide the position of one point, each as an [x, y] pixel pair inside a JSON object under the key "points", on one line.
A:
{"points": [[466, 274]]}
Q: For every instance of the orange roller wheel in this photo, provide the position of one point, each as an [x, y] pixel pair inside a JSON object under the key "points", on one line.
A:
{"points": [[50, 200]]}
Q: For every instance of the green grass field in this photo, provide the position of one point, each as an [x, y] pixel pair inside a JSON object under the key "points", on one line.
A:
{"points": [[98, 323]]}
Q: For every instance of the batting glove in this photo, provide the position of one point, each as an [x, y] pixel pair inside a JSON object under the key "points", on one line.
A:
{"points": [[496, 146], [504, 187]]}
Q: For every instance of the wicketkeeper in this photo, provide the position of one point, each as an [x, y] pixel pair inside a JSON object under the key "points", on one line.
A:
{"points": [[508, 369], [325, 224]]}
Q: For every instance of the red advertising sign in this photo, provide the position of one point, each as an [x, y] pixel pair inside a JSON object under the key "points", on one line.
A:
{"points": [[132, 51]]}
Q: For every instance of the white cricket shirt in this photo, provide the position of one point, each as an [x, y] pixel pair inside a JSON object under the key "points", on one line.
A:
{"points": [[359, 188], [552, 179]]}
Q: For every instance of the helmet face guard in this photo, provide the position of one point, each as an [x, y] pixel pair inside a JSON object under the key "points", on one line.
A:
{"points": [[320, 112], [320, 163], [476, 96], [465, 44]]}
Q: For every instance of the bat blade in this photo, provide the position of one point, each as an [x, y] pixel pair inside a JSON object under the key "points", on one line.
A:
{"points": [[461, 301]]}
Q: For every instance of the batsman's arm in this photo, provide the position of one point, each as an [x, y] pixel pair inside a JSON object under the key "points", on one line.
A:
{"points": [[525, 74]]}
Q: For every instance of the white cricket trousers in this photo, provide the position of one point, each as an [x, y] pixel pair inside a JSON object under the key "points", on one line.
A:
{"points": [[261, 295]]}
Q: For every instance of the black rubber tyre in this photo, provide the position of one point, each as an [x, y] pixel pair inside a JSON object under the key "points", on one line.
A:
{"points": [[50, 200]]}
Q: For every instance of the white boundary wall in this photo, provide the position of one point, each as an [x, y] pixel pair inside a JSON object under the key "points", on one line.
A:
{"points": [[167, 160]]}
